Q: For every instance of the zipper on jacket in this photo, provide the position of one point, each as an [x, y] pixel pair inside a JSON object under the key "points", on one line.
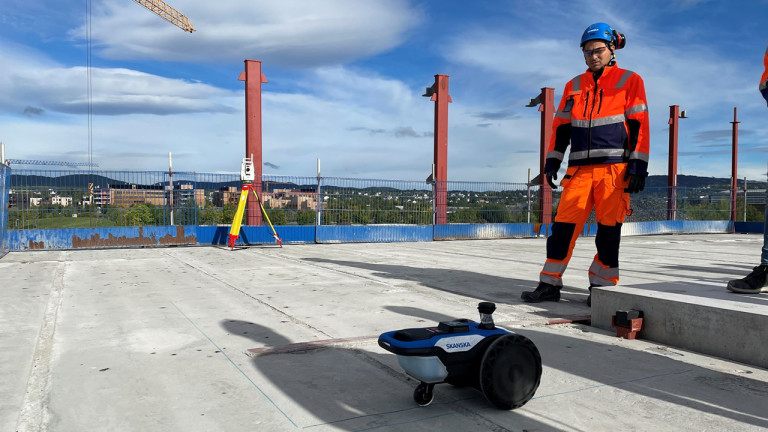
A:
{"points": [[586, 104], [601, 101], [589, 127]]}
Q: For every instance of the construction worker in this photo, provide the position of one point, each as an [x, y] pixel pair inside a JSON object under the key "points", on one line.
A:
{"points": [[756, 281], [603, 115]]}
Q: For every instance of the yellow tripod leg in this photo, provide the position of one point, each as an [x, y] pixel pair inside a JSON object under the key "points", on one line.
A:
{"points": [[266, 216], [234, 231]]}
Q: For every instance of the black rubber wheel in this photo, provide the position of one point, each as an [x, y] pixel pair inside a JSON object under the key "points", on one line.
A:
{"points": [[510, 371], [423, 394]]}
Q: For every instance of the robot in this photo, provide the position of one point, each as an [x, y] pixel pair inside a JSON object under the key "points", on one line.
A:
{"points": [[504, 366]]}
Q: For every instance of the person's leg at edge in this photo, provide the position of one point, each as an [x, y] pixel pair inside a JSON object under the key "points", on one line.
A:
{"points": [[756, 281], [575, 205], [611, 207]]}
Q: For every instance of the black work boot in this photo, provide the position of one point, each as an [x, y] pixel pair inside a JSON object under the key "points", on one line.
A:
{"points": [[754, 283], [544, 292]]}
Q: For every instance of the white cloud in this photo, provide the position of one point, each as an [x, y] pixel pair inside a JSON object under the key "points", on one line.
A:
{"points": [[298, 128], [288, 32], [526, 63], [33, 83]]}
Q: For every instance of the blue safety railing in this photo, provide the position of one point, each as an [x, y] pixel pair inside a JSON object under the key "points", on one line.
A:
{"points": [[321, 209]]}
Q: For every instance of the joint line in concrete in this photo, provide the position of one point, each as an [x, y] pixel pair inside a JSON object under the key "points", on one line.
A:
{"points": [[236, 366]]}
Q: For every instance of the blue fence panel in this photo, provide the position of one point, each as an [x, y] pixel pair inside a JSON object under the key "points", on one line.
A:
{"points": [[749, 227], [251, 235], [373, 233], [676, 227], [114, 237], [5, 182], [484, 231]]}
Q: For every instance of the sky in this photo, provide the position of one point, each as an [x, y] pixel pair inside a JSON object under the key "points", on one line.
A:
{"points": [[345, 79]]}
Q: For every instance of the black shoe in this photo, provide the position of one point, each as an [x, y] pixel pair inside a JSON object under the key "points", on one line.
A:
{"points": [[544, 292], [754, 283]]}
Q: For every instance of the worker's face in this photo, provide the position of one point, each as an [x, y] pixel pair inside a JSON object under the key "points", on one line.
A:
{"points": [[596, 54]]}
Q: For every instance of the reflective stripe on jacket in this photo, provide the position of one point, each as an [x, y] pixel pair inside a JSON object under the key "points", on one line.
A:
{"points": [[604, 122]]}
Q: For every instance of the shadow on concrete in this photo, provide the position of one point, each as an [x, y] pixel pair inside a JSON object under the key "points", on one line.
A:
{"points": [[655, 375], [353, 390], [468, 283], [702, 291]]}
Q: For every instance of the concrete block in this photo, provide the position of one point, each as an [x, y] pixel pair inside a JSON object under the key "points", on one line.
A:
{"points": [[729, 327]]}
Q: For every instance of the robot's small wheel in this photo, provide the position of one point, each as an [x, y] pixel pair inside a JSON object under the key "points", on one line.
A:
{"points": [[510, 371], [423, 394]]}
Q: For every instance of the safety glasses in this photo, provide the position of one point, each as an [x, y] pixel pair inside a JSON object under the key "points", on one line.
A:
{"points": [[596, 51]]}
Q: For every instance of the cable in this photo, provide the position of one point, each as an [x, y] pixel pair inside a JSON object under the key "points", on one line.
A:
{"points": [[89, 86]]}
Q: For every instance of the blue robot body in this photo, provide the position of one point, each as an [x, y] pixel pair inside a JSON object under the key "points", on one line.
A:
{"points": [[466, 353]]}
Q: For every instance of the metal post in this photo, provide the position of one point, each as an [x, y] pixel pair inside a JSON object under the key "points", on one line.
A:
{"points": [[734, 165], [319, 209], [547, 109], [253, 79], [438, 93], [745, 199], [529, 195], [674, 115], [170, 175]]}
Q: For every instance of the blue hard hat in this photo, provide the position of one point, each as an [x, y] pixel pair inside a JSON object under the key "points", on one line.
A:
{"points": [[598, 31]]}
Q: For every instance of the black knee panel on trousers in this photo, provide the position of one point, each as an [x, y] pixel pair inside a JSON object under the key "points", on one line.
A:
{"points": [[560, 240], [607, 242]]}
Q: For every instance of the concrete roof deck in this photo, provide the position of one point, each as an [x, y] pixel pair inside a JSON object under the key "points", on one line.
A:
{"points": [[208, 339]]}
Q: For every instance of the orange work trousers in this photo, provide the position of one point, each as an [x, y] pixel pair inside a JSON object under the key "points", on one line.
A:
{"points": [[586, 187]]}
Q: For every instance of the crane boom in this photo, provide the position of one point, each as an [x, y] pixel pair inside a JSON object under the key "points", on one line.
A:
{"points": [[48, 162], [168, 13]]}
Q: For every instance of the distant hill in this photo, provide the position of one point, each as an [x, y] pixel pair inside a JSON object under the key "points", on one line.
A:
{"points": [[701, 182], [69, 180], [82, 180]]}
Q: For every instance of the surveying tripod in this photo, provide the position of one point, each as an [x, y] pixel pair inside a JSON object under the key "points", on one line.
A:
{"points": [[247, 177]]}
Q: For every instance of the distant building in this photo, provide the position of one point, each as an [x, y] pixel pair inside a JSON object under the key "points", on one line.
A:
{"points": [[225, 196], [61, 200], [277, 198], [128, 195], [23, 198], [185, 195], [12, 199], [293, 199], [101, 196]]}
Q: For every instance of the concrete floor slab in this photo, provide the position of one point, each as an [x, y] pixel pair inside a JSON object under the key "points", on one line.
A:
{"points": [[190, 339]]}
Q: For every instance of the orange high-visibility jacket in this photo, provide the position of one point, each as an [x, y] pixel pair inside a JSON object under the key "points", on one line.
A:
{"points": [[764, 78], [605, 122]]}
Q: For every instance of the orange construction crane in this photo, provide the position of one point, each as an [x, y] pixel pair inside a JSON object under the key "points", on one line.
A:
{"points": [[168, 13]]}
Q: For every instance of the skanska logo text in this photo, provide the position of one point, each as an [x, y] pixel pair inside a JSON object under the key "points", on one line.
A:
{"points": [[458, 345]]}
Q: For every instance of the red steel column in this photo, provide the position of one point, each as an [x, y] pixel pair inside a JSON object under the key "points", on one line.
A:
{"points": [[674, 119], [253, 79], [442, 98], [734, 162], [547, 109]]}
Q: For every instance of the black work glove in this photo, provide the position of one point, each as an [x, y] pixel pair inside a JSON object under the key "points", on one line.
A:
{"points": [[636, 183], [551, 177]]}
